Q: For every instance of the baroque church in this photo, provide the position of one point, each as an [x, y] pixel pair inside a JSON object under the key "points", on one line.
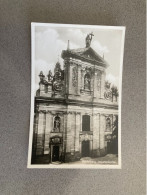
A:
{"points": [[76, 112]]}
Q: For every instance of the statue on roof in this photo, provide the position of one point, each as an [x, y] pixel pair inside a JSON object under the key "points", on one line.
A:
{"points": [[89, 39]]}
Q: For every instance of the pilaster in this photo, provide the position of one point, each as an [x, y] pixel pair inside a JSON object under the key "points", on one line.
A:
{"points": [[48, 129], [79, 80], [102, 133], [41, 133], [77, 130], [103, 84], [96, 132]]}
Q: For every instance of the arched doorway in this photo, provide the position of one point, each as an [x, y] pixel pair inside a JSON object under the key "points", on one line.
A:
{"points": [[85, 148]]}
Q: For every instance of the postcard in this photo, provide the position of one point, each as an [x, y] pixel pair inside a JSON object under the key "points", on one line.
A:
{"points": [[76, 90]]}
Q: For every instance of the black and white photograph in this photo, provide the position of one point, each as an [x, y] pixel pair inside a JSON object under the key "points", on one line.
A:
{"points": [[76, 82]]}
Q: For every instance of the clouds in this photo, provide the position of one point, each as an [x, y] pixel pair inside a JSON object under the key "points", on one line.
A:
{"points": [[112, 79], [100, 48], [49, 43]]}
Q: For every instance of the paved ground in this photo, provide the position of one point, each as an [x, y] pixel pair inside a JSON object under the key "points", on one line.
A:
{"points": [[110, 159]]}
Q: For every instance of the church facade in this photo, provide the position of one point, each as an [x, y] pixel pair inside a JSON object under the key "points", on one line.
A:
{"points": [[75, 109]]}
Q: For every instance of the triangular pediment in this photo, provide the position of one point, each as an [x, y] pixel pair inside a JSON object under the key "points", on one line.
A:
{"points": [[91, 54], [87, 54]]}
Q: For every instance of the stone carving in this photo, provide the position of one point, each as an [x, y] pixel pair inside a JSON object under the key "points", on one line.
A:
{"points": [[108, 92], [87, 81], [89, 39], [74, 76], [108, 124], [50, 76], [99, 81], [58, 78], [85, 137], [57, 124]]}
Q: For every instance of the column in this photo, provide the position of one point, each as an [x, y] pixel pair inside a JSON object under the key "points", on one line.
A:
{"points": [[68, 132], [82, 79], [48, 129], [96, 134], [102, 133], [95, 85], [40, 135], [103, 84], [77, 132], [79, 80], [64, 132], [70, 78]]}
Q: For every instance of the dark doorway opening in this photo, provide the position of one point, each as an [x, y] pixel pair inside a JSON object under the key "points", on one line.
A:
{"points": [[109, 147], [112, 147], [85, 149], [55, 154]]}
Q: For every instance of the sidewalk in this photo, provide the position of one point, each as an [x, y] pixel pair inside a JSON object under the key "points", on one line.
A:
{"points": [[110, 159]]}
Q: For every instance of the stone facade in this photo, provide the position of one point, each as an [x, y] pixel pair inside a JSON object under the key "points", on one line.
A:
{"points": [[74, 109]]}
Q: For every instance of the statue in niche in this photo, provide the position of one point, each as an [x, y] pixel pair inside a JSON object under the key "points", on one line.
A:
{"points": [[57, 124], [108, 124], [87, 82]]}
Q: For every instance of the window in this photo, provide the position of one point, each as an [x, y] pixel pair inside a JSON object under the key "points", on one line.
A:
{"points": [[85, 123], [57, 124], [87, 81], [108, 124]]}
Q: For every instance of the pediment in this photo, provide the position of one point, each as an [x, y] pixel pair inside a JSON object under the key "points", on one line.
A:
{"points": [[86, 54], [91, 54]]}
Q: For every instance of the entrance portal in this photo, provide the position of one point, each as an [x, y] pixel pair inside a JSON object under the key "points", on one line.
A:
{"points": [[55, 154], [85, 149]]}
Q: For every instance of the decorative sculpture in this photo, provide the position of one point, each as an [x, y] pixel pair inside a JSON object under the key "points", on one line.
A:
{"points": [[50, 76], [87, 81], [89, 39]]}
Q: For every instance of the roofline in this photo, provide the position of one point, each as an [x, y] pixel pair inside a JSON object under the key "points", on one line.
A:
{"points": [[69, 53]]}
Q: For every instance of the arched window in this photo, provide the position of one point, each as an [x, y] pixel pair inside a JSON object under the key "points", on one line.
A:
{"points": [[85, 123], [57, 123], [87, 81], [108, 124]]}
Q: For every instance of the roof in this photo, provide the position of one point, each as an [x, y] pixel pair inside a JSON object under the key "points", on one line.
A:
{"points": [[85, 54]]}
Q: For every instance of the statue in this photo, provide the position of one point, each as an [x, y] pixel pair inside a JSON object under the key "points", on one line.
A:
{"points": [[57, 123], [50, 76], [89, 39], [41, 75], [87, 82]]}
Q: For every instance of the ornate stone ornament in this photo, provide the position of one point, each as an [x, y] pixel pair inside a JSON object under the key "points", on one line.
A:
{"points": [[99, 81], [108, 95], [108, 92], [74, 76], [85, 137]]}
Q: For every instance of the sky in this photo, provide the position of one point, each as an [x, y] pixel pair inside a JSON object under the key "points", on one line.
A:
{"points": [[50, 41]]}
